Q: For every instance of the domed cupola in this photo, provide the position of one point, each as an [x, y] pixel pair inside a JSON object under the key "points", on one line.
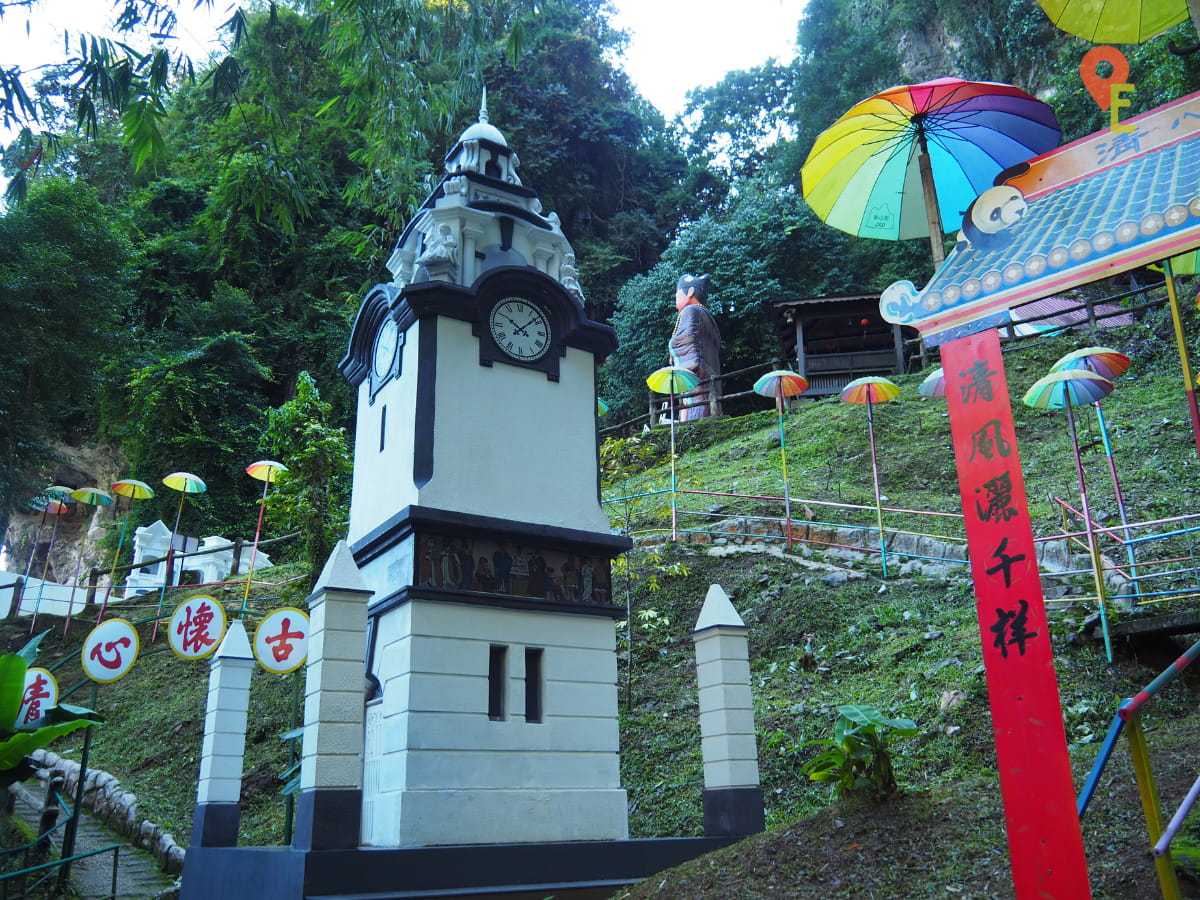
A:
{"points": [[481, 217]]}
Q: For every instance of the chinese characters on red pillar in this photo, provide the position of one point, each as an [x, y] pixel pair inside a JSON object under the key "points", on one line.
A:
{"points": [[1045, 842]]}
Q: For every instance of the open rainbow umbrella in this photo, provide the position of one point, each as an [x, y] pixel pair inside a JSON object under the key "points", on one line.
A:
{"points": [[1067, 390], [907, 162], [871, 390], [1107, 363], [133, 490], [782, 383], [265, 471], [672, 380], [1116, 21], [186, 483]]}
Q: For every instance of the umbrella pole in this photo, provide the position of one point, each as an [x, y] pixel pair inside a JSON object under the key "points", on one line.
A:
{"points": [[29, 565], [170, 567], [262, 508], [1120, 498], [875, 475], [36, 535], [1188, 384], [932, 213], [1093, 548], [45, 571], [74, 585], [787, 498], [674, 514], [112, 572]]}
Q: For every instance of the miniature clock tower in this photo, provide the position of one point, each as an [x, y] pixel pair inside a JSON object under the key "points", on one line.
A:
{"points": [[476, 522]]}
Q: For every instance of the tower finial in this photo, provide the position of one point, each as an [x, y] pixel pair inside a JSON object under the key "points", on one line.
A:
{"points": [[483, 115]]}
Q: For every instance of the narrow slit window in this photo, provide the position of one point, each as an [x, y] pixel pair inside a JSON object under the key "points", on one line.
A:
{"points": [[497, 675], [533, 684], [382, 427]]}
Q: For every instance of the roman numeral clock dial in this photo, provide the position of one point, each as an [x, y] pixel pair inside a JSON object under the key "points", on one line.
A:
{"points": [[520, 329]]}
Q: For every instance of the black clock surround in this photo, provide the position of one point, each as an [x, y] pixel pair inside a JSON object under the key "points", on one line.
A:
{"points": [[430, 299]]}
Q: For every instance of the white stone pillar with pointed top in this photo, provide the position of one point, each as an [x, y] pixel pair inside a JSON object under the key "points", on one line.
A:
{"points": [[329, 806], [733, 802], [218, 810]]}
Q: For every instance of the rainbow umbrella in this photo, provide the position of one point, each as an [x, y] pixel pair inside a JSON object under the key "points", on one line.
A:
{"points": [[1107, 363], [869, 391], [782, 383], [907, 162], [133, 490], [934, 384], [601, 407], [56, 503], [1066, 389], [265, 471], [186, 483], [92, 496], [1116, 21], [672, 380]]}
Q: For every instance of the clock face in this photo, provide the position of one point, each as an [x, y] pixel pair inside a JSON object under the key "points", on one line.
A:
{"points": [[520, 329], [385, 348]]}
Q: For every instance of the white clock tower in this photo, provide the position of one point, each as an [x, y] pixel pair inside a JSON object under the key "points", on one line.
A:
{"points": [[476, 522]]}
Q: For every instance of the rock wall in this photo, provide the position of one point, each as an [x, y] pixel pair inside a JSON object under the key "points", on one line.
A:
{"points": [[114, 806], [79, 531]]}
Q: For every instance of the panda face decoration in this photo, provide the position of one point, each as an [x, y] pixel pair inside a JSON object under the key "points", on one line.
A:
{"points": [[990, 215]]}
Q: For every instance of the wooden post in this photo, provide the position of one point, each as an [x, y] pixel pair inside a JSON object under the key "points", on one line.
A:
{"points": [[931, 204], [93, 580]]}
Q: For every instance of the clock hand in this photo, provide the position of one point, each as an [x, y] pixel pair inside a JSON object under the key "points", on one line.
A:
{"points": [[514, 324]]}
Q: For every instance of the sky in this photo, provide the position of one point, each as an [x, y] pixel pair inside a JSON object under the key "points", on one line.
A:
{"points": [[678, 45], [675, 45]]}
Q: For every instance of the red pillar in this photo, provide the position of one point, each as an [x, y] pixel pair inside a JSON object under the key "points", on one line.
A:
{"points": [[1044, 838]]}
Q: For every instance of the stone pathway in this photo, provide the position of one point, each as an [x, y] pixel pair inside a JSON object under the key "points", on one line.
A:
{"points": [[138, 876]]}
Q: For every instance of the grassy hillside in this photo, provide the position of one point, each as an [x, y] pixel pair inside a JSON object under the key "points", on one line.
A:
{"points": [[908, 646]]}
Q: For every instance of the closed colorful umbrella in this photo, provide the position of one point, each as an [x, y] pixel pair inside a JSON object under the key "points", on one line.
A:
{"points": [[601, 407], [1066, 390], [1116, 21], [869, 391], [186, 483], [672, 380], [907, 162], [265, 471], [134, 490], [782, 383]]}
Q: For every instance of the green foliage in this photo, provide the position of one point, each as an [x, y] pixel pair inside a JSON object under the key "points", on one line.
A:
{"points": [[859, 758], [64, 278], [312, 496], [198, 410]]}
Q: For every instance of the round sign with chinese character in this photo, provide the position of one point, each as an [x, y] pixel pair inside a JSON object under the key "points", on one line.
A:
{"points": [[281, 640], [196, 627], [41, 693], [110, 651]]}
